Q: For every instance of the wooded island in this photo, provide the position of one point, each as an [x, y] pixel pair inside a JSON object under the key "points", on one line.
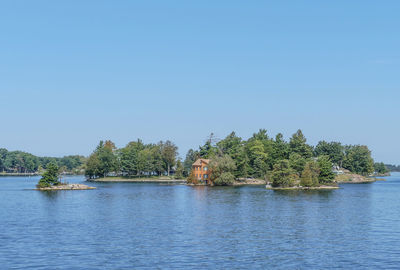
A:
{"points": [[280, 163]]}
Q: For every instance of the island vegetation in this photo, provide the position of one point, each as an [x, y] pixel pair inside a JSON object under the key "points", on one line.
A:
{"points": [[380, 169], [135, 160], [49, 177], [50, 180], [281, 163]]}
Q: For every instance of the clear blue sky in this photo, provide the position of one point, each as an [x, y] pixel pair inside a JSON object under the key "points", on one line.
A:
{"points": [[75, 72]]}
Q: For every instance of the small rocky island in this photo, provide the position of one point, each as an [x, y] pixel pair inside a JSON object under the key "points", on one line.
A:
{"points": [[66, 187], [50, 181]]}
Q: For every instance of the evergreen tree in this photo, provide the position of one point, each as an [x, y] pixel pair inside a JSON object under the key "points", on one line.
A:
{"points": [[280, 148], [334, 150], [297, 162], [326, 175], [298, 145], [310, 174], [358, 159], [50, 176]]}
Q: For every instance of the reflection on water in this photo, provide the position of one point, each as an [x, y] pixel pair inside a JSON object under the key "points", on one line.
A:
{"points": [[304, 193], [51, 194], [147, 226]]}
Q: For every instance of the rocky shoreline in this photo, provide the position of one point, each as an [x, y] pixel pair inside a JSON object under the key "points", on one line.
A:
{"points": [[67, 187], [249, 182], [351, 178]]}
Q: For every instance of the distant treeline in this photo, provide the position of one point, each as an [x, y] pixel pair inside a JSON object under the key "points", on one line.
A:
{"points": [[22, 162], [393, 168]]}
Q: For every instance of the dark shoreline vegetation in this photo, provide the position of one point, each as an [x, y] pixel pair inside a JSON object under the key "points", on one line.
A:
{"points": [[393, 168], [233, 161], [18, 162]]}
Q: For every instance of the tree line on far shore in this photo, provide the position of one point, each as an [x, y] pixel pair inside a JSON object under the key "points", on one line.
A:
{"points": [[392, 168], [22, 162], [280, 162]]}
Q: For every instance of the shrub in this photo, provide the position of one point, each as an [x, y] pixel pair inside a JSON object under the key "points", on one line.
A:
{"points": [[42, 184], [283, 175], [192, 179], [225, 179]]}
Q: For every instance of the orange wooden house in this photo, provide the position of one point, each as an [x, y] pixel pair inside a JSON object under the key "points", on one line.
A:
{"points": [[201, 170]]}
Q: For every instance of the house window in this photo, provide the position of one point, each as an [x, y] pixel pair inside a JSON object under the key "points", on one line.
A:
{"points": [[205, 168], [205, 176]]}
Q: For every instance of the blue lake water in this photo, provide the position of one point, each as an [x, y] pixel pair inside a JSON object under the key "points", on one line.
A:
{"points": [[152, 226]]}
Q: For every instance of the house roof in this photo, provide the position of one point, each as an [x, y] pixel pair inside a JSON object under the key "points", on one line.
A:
{"points": [[200, 160]]}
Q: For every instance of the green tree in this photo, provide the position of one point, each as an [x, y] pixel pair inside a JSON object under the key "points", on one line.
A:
{"points": [[107, 158], [225, 179], [280, 148], [326, 174], [92, 166], [242, 163], [222, 168], [169, 152], [258, 157], [297, 162], [179, 170], [49, 177], [380, 168], [283, 175], [129, 157], [310, 174], [102, 161], [3, 155], [232, 145], [334, 150], [298, 144], [156, 159], [358, 159], [208, 150]]}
